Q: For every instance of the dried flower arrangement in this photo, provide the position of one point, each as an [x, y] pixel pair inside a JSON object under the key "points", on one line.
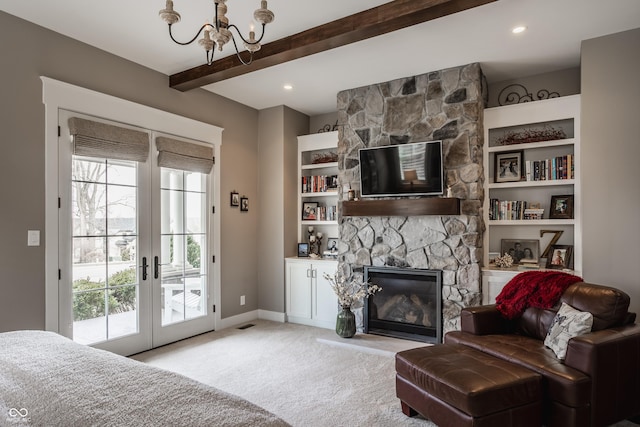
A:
{"points": [[548, 133], [504, 261], [350, 291], [325, 158]]}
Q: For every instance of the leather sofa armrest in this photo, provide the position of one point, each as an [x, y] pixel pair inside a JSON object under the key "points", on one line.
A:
{"points": [[483, 320], [611, 357]]}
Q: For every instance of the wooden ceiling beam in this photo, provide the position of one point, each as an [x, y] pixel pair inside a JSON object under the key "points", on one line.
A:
{"points": [[379, 20]]}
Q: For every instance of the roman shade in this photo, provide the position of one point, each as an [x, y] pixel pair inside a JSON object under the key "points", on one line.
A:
{"points": [[183, 155], [97, 139]]}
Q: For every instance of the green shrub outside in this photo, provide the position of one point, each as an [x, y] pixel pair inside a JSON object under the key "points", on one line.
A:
{"points": [[91, 304]]}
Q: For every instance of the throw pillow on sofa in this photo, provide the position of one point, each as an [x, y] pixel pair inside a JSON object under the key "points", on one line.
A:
{"points": [[567, 324]]}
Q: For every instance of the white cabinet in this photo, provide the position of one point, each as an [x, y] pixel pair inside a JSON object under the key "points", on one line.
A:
{"points": [[545, 135], [309, 297], [318, 185]]}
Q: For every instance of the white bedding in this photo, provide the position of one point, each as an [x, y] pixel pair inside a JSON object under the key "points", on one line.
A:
{"points": [[48, 380]]}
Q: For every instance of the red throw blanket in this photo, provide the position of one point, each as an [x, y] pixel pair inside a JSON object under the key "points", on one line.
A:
{"points": [[540, 289]]}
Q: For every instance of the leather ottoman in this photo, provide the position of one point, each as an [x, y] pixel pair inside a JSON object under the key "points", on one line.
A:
{"points": [[454, 385]]}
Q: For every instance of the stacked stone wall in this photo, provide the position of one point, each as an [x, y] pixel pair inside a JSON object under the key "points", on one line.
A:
{"points": [[444, 105]]}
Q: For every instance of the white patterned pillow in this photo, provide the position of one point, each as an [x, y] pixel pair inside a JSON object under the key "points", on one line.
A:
{"points": [[567, 324]]}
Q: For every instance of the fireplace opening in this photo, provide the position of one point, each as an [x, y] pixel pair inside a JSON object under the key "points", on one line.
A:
{"points": [[409, 305]]}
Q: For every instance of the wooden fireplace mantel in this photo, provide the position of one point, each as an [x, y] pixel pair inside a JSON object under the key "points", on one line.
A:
{"points": [[402, 207]]}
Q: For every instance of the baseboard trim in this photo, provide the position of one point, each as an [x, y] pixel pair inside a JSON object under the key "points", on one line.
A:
{"points": [[230, 322], [274, 316]]}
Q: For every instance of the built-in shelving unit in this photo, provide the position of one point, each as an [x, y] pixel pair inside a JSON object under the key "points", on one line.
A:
{"points": [[560, 119], [315, 165]]}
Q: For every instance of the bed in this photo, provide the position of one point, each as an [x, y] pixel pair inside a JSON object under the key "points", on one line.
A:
{"points": [[46, 379]]}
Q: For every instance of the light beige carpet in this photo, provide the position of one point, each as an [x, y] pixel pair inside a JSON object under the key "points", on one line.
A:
{"points": [[307, 376]]}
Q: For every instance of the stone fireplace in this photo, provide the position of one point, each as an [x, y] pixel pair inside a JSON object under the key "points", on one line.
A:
{"points": [[444, 105]]}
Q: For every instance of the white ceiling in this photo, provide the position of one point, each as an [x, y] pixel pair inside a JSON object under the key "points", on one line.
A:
{"points": [[133, 30]]}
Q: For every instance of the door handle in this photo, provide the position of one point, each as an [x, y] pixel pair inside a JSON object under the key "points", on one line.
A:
{"points": [[156, 267], [145, 266]]}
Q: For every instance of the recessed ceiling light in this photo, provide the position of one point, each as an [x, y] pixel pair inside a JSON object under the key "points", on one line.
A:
{"points": [[287, 87], [519, 29]]}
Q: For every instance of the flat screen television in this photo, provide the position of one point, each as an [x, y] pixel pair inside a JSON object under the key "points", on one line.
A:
{"points": [[402, 170]]}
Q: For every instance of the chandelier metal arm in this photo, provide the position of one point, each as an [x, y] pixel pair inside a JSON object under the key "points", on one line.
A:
{"points": [[190, 41], [235, 45], [243, 39]]}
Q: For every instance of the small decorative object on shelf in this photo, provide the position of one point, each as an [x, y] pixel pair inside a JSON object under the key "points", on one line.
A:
{"points": [[315, 241], [560, 256], [517, 93], [327, 157], [547, 133], [504, 261], [509, 166], [349, 292], [561, 207]]}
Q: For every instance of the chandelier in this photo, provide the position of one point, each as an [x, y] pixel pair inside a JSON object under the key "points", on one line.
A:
{"points": [[219, 33]]}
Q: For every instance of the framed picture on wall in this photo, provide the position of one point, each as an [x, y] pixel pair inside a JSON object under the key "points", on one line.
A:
{"points": [[235, 199], [244, 204]]}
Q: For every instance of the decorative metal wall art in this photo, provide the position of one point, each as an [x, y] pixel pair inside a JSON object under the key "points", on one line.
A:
{"points": [[517, 93], [328, 128]]}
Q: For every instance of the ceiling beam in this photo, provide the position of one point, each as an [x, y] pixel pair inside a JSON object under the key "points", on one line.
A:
{"points": [[379, 20]]}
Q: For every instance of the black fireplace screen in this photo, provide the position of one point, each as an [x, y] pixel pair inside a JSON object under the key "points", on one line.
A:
{"points": [[408, 306]]}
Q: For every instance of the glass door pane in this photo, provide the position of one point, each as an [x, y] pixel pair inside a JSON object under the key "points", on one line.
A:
{"points": [[183, 245], [105, 284]]}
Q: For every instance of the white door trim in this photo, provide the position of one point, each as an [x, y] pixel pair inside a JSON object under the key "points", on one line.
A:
{"points": [[58, 95]]}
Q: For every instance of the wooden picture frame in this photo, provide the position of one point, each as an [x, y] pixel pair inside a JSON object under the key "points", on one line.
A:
{"points": [[303, 250], [509, 166], [523, 251], [244, 204], [561, 207], [309, 211], [560, 256], [234, 200]]}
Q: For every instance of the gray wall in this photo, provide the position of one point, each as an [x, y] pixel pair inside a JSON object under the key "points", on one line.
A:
{"points": [[323, 122], [564, 82], [277, 184], [34, 51], [610, 153]]}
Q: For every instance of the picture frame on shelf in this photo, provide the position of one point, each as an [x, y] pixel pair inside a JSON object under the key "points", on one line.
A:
{"points": [[561, 207], [234, 200], [509, 166], [244, 204], [303, 250], [523, 251], [332, 245], [560, 257], [309, 211]]}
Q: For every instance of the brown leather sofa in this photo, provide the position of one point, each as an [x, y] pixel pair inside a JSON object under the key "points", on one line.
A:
{"points": [[597, 384]]}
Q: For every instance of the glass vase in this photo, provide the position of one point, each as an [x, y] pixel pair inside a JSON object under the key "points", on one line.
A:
{"points": [[346, 323]]}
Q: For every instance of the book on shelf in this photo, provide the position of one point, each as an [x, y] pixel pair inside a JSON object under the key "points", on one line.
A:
{"points": [[319, 183], [555, 168], [327, 213], [514, 210]]}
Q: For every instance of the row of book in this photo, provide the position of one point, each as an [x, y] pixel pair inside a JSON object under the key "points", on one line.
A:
{"points": [[514, 210], [327, 213], [319, 183], [561, 167]]}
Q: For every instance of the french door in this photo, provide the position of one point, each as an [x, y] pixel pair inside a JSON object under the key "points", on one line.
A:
{"points": [[134, 240]]}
